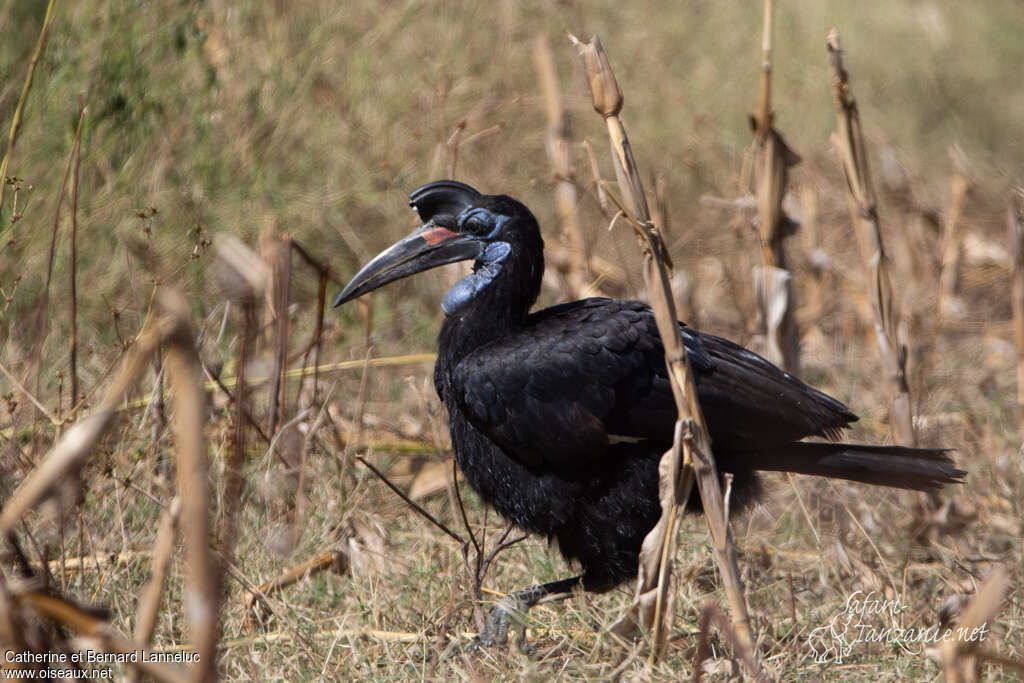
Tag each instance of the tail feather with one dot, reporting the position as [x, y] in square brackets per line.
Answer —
[920, 469]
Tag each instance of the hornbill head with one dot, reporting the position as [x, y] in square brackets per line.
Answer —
[459, 223]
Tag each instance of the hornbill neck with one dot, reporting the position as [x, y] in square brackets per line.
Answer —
[495, 299]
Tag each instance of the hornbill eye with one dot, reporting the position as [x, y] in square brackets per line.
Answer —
[480, 222]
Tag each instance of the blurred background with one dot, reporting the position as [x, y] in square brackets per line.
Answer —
[316, 118]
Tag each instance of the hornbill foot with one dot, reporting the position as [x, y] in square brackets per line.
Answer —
[511, 612]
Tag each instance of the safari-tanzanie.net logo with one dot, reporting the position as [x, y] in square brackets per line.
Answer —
[868, 618]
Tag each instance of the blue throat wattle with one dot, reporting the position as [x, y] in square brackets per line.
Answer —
[486, 268]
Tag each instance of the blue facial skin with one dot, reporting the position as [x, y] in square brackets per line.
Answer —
[482, 216]
[487, 266]
[485, 270]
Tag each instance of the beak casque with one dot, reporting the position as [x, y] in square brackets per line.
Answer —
[430, 246]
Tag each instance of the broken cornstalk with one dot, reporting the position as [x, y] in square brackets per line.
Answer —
[690, 456]
[558, 145]
[773, 282]
[848, 143]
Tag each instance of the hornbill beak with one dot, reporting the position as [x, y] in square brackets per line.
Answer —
[430, 246]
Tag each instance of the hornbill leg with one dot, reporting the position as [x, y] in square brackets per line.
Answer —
[511, 610]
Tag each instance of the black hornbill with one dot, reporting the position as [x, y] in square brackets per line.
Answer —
[558, 418]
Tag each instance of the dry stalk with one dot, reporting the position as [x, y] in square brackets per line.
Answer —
[335, 560]
[56, 421]
[1015, 225]
[73, 266]
[411, 503]
[952, 246]
[59, 203]
[300, 501]
[202, 590]
[70, 453]
[558, 143]
[236, 456]
[961, 661]
[12, 136]
[88, 626]
[281, 265]
[73, 565]
[690, 456]
[773, 282]
[242, 280]
[325, 275]
[848, 143]
[149, 603]
[712, 613]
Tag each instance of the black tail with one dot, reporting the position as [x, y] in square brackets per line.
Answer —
[921, 469]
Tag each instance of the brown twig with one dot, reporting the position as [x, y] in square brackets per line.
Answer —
[326, 274]
[12, 136]
[60, 203]
[712, 613]
[299, 519]
[332, 559]
[73, 265]
[848, 143]
[20, 387]
[411, 503]
[217, 382]
[500, 546]
[690, 455]
[233, 482]
[282, 269]
[1015, 226]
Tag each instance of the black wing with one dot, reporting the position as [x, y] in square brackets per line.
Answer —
[585, 374]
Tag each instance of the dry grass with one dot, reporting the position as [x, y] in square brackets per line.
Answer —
[313, 120]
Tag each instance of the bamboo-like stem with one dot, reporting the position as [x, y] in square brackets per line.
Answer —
[12, 136]
[773, 283]
[763, 117]
[690, 456]
[848, 143]
[1015, 225]
[559, 144]
[202, 591]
